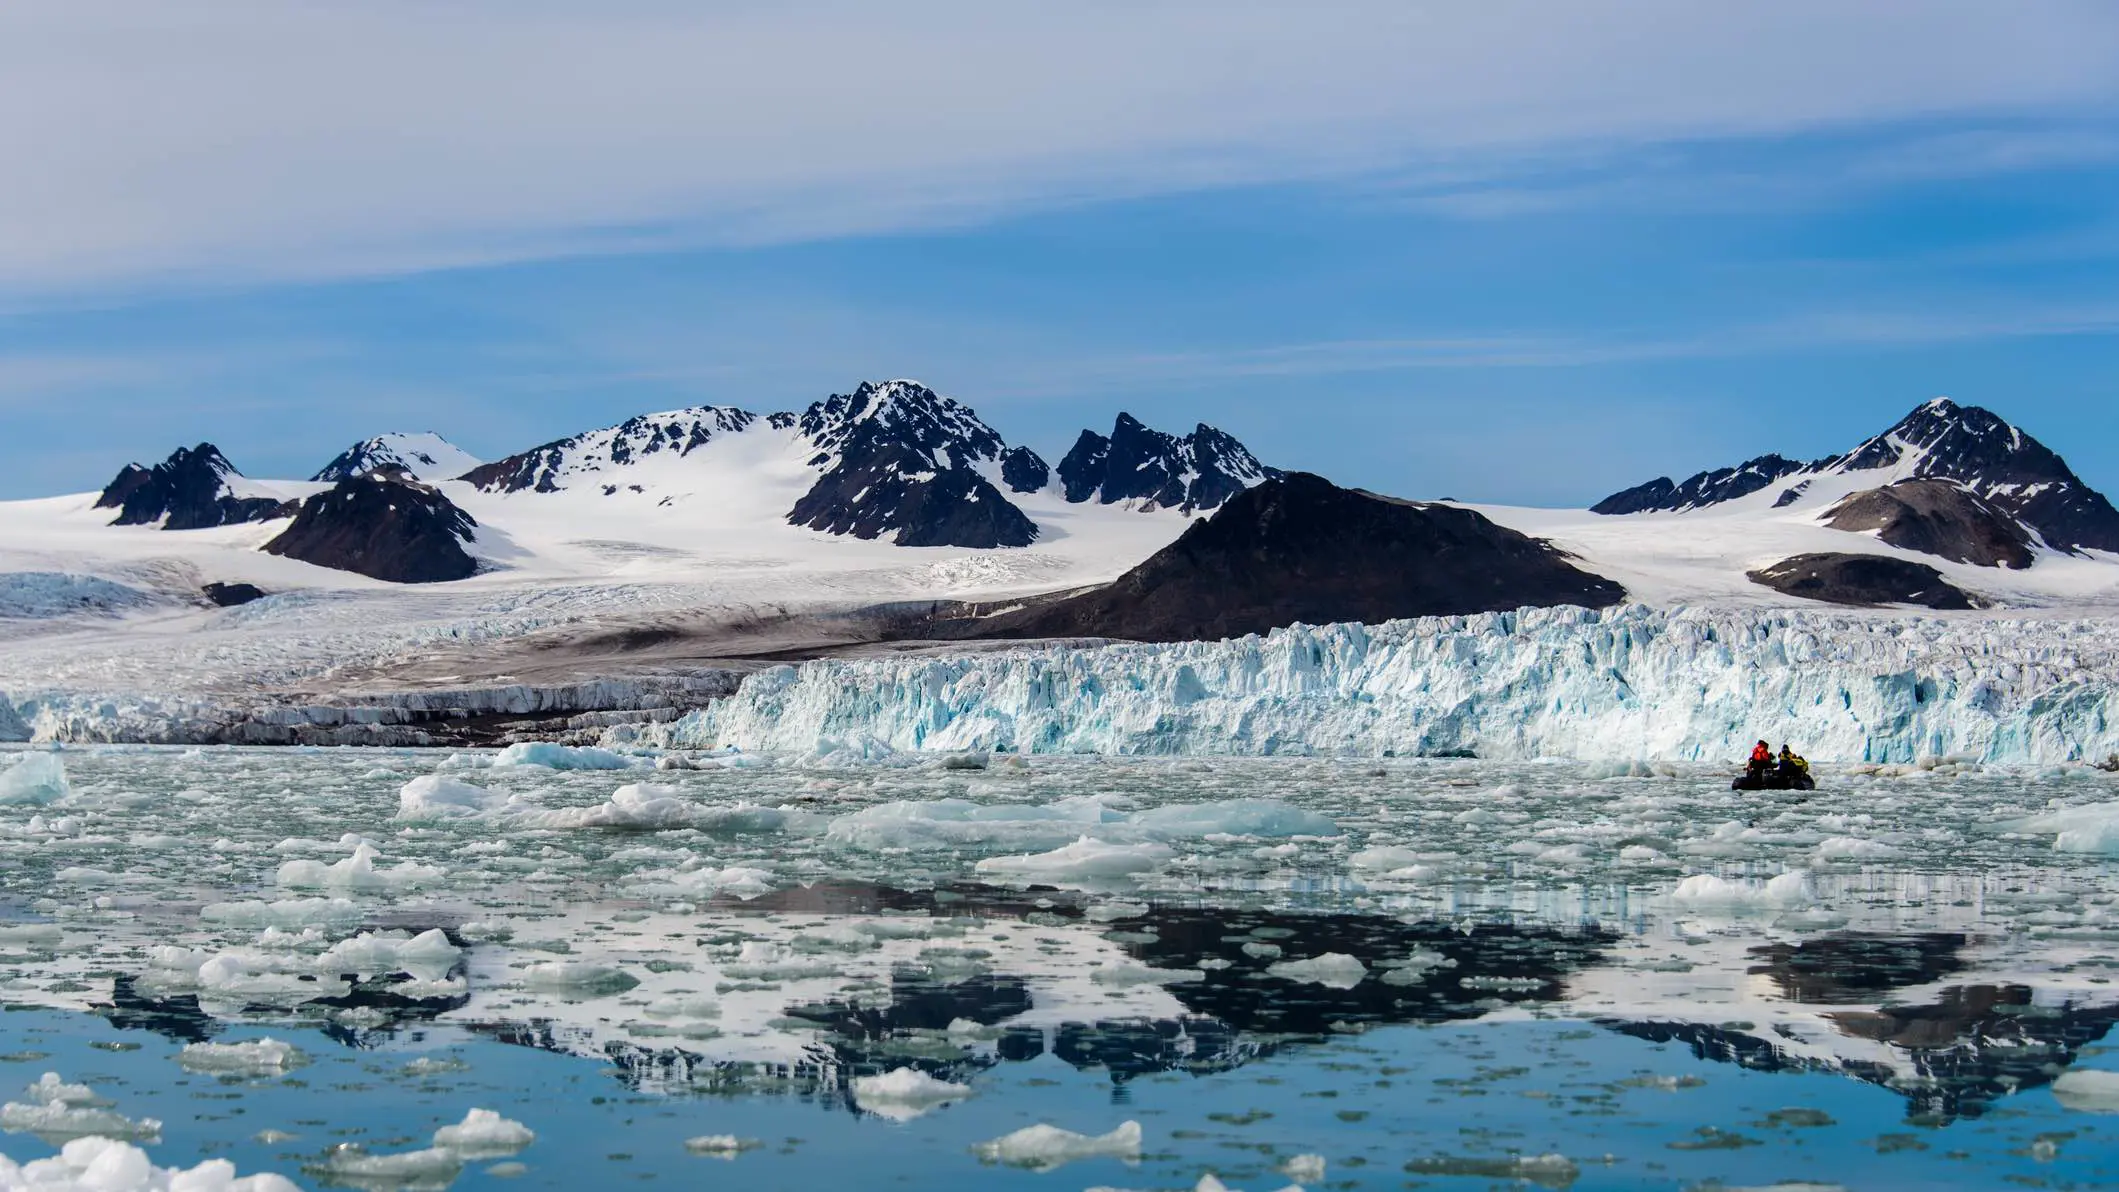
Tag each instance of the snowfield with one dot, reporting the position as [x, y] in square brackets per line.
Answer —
[1631, 682]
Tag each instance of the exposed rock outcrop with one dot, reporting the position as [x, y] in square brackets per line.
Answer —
[1298, 548]
[382, 527]
[1868, 580]
[1936, 517]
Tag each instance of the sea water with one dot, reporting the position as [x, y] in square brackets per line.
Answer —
[422, 969]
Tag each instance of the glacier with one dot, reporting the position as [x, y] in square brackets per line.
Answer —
[1633, 682]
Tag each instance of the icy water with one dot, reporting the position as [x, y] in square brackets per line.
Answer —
[786, 975]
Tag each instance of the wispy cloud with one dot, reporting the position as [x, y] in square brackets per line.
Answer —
[248, 139]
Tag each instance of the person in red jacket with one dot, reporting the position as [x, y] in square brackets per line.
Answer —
[1761, 759]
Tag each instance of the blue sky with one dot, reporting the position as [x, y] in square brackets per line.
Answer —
[1497, 254]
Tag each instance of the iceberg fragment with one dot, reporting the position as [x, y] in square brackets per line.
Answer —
[1084, 859]
[37, 780]
[1045, 1147]
[562, 757]
[902, 1094]
[109, 1165]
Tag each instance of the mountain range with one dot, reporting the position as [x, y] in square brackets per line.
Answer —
[1929, 512]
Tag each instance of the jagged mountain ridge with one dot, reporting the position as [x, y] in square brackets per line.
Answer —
[894, 459]
[191, 490]
[424, 456]
[1968, 446]
[1194, 472]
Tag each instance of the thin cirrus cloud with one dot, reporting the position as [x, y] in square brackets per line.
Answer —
[232, 140]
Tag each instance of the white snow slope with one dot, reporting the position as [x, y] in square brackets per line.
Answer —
[1631, 682]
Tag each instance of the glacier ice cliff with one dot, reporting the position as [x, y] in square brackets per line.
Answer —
[12, 727]
[1630, 682]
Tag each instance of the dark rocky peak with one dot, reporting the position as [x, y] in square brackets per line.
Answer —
[1299, 548]
[565, 462]
[906, 415]
[188, 491]
[1198, 471]
[1704, 488]
[427, 457]
[383, 527]
[898, 458]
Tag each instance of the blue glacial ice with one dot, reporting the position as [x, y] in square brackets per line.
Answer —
[1629, 683]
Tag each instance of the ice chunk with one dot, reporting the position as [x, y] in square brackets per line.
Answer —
[1234, 817]
[285, 913]
[108, 1165]
[1304, 1169]
[2088, 1090]
[2093, 828]
[484, 1134]
[1853, 848]
[357, 872]
[579, 977]
[1084, 859]
[37, 780]
[1706, 891]
[254, 1057]
[54, 1109]
[562, 757]
[638, 807]
[1383, 858]
[1044, 1147]
[350, 1163]
[437, 796]
[938, 823]
[720, 1146]
[905, 1093]
[427, 956]
[1335, 970]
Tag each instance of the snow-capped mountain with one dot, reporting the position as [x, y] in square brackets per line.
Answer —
[1162, 471]
[194, 489]
[1965, 445]
[422, 456]
[898, 457]
[597, 456]
[892, 458]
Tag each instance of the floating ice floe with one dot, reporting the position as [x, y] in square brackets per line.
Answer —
[484, 1134]
[638, 807]
[54, 1109]
[1084, 859]
[905, 1093]
[957, 823]
[36, 780]
[437, 797]
[1334, 970]
[1705, 891]
[720, 1146]
[563, 757]
[2092, 828]
[427, 956]
[1304, 1169]
[253, 1057]
[2088, 1090]
[357, 872]
[1045, 1147]
[578, 977]
[109, 1165]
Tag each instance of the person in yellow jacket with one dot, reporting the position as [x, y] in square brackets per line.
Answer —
[1792, 764]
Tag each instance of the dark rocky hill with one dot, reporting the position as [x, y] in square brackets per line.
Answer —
[383, 526]
[1299, 548]
[1866, 580]
[1936, 517]
[188, 491]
